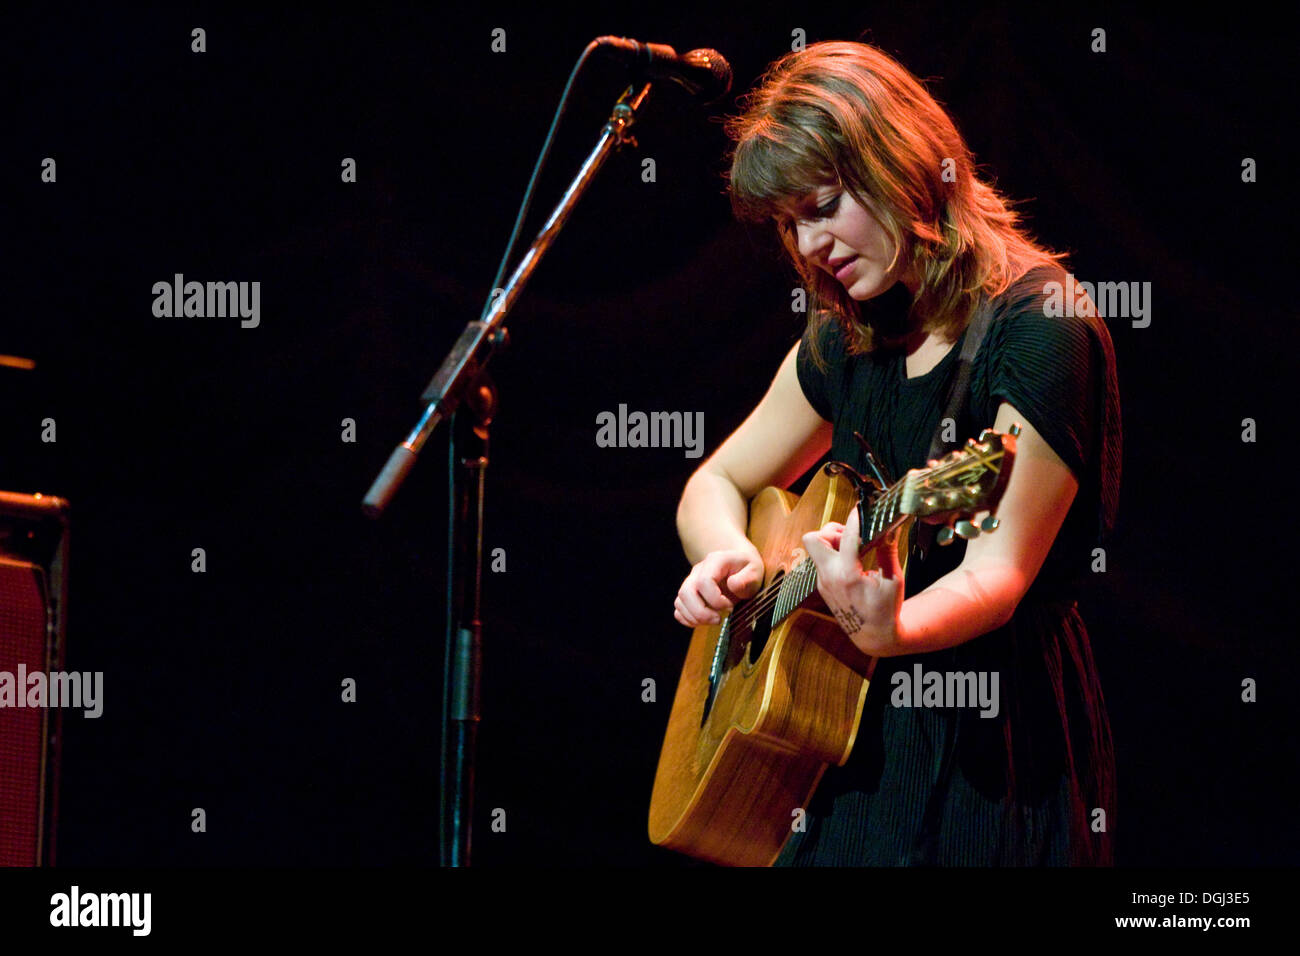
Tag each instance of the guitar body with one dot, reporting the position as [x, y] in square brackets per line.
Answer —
[744, 753]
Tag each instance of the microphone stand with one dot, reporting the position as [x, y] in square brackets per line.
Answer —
[463, 377]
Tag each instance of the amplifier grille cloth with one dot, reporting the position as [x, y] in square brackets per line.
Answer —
[22, 641]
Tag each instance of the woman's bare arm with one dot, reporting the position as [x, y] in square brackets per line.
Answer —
[980, 594]
[778, 442]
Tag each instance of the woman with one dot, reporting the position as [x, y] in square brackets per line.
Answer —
[900, 244]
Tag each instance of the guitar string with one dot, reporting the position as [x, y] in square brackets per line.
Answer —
[769, 596]
[766, 599]
[762, 602]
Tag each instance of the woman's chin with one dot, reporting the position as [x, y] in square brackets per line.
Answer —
[865, 289]
[871, 286]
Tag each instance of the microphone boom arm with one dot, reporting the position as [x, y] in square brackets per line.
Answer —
[480, 338]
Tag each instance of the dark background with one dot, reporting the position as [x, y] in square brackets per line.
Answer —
[222, 690]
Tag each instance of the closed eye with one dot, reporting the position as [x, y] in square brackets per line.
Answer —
[828, 208]
[824, 211]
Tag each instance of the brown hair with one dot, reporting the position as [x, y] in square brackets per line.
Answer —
[847, 111]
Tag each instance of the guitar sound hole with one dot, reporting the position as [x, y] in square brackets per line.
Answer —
[745, 632]
[762, 627]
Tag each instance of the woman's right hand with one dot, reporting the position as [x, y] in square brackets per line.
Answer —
[717, 583]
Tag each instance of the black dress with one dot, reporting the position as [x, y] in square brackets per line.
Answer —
[945, 786]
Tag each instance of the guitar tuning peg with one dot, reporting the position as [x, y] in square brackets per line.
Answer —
[989, 523]
[944, 536]
[1014, 430]
[966, 530]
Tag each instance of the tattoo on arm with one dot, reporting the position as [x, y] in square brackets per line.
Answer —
[850, 620]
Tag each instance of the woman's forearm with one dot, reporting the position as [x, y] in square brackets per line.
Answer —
[711, 516]
[962, 605]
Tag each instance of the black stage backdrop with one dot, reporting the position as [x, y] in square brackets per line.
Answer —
[223, 689]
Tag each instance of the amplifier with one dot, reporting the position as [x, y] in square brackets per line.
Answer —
[33, 611]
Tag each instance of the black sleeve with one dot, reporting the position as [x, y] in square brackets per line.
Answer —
[817, 384]
[1050, 368]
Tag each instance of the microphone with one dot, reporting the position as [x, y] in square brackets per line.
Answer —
[703, 73]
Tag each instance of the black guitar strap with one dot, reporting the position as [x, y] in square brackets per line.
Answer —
[957, 400]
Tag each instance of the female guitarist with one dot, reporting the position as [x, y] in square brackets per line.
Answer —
[899, 243]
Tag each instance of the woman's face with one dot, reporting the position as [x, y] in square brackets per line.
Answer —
[844, 239]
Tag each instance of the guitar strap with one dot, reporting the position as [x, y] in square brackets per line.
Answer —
[925, 849]
[957, 399]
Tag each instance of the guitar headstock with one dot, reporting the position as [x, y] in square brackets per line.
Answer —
[966, 481]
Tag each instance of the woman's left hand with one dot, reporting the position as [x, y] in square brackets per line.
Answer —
[866, 604]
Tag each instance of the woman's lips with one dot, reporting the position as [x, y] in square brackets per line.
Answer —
[842, 272]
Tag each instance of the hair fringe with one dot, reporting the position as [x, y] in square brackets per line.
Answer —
[846, 111]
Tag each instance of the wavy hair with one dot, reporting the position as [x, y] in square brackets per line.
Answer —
[847, 112]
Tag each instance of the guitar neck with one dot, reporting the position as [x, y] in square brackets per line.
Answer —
[801, 581]
[967, 480]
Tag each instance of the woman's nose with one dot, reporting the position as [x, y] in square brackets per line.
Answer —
[812, 238]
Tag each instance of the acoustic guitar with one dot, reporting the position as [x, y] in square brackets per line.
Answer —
[773, 694]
